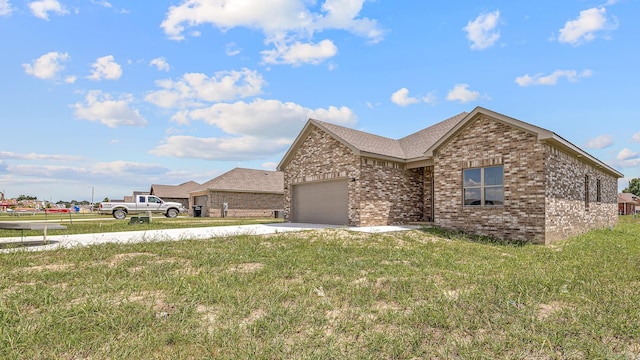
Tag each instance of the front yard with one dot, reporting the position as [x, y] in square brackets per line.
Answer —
[328, 294]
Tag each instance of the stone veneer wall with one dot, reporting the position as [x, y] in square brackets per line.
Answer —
[244, 204]
[486, 142]
[320, 157]
[567, 213]
[388, 194]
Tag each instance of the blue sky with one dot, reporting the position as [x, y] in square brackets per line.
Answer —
[113, 96]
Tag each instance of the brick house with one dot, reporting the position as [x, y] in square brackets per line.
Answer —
[628, 204]
[480, 172]
[246, 193]
[175, 193]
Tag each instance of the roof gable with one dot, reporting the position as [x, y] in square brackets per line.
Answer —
[247, 180]
[417, 143]
[424, 143]
[543, 135]
[367, 144]
[174, 191]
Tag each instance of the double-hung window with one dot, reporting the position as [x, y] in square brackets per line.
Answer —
[483, 186]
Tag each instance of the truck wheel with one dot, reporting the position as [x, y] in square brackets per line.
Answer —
[172, 213]
[119, 214]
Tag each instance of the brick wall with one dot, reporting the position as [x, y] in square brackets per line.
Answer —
[428, 194]
[320, 157]
[383, 192]
[567, 210]
[544, 188]
[243, 204]
[485, 142]
[389, 194]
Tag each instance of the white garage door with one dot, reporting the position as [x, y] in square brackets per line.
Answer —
[321, 203]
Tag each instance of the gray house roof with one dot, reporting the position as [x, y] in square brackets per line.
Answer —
[423, 144]
[408, 147]
[246, 180]
[174, 191]
[628, 198]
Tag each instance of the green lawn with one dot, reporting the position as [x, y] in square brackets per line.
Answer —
[330, 294]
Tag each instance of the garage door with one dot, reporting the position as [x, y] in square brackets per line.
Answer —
[321, 203]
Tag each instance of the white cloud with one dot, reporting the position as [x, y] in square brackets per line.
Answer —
[461, 93]
[628, 154]
[256, 130]
[402, 98]
[552, 79]
[160, 63]
[70, 79]
[5, 7]
[37, 157]
[102, 3]
[104, 109]
[41, 9]
[636, 137]
[127, 167]
[268, 118]
[482, 31]
[631, 163]
[106, 68]
[583, 29]
[195, 87]
[231, 149]
[600, 142]
[232, 49]
[181, 117]
[300, 53]
[289, 24]
[47, 65]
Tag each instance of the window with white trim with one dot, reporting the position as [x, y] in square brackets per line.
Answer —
[483, 186]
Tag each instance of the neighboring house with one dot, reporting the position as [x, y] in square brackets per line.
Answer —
[628, 204]
[241, 193]
[175, 193]
[131, 198]
[480, 172]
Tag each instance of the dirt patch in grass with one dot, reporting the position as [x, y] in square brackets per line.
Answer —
[50, 267]
[247, 267]
[255, 315]
[209, 316]
[117, 259]
[547, 310]
[156, 300]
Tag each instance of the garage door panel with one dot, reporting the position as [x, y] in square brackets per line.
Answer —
[321, 203]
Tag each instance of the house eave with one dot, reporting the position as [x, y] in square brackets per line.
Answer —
[303, 134]
[559, 142]
[380, 157]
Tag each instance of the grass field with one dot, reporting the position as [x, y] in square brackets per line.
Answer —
[330, 294]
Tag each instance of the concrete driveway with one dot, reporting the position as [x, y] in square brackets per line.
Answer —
[67, 241]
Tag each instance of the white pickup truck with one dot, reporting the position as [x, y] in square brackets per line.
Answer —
[143, 203]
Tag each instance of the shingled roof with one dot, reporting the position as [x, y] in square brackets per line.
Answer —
[247, 180]
[628, 198]
[174, 191]
[407, 148]
[422, 144]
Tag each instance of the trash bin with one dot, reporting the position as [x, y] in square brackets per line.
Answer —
[197, 211]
